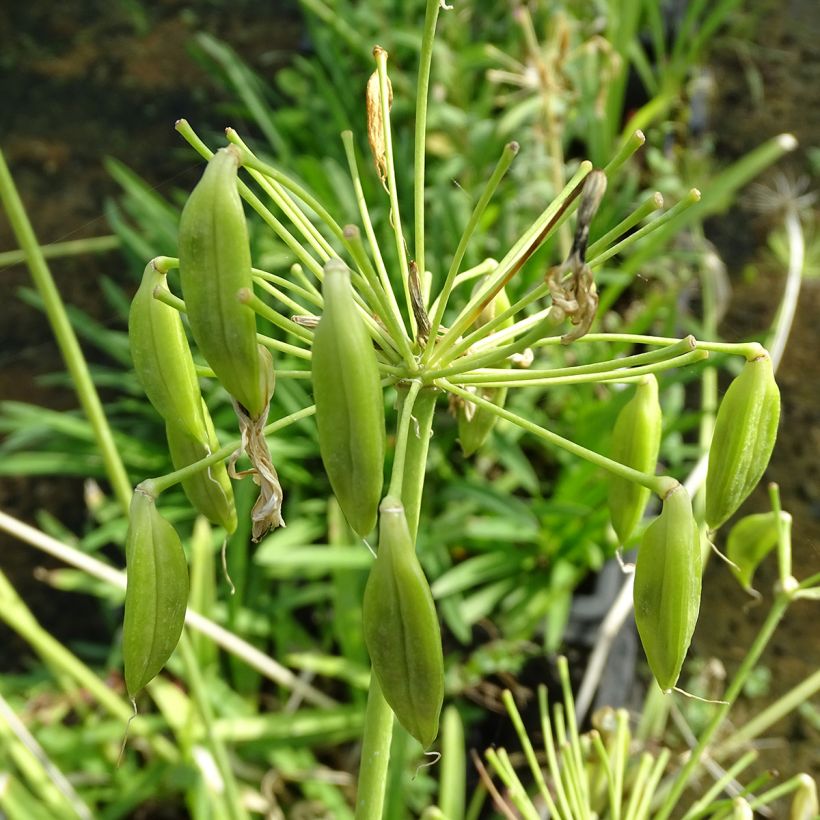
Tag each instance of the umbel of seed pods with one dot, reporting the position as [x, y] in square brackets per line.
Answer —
[400, 624]
[669, 562]
[215, 270]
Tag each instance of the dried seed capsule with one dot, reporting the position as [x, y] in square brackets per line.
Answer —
[162, 358]
[750, 541]
[636, 440]
[215, 265]
[667, 587]
[401, 628]
[745, 432]
[156, 594]
[476, 423]
[349, 402]
[209, 490]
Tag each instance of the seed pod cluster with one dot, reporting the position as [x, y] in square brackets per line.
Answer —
[476, 423]
[745, 432]
[636, 440]
[156, 594]
[215, 266]
[667, 587]
[401, 628]
[165, 368]
[349, 402]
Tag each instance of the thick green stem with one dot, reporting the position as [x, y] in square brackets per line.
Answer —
[66, 338]
[416, 406]
[420, 142]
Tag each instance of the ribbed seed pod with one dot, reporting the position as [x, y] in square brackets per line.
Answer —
[162, 357]
[750, 540]
[401, 628]
[215, 265]
[667, 587]
[349, 402]
[156, 594]
[475, 423]
[209, 490]
[745, 432]
[636, 440]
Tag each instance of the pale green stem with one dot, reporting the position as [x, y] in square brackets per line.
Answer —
[526, 245]
[66, 338]
[548, 92]
[312, 296]
[315, 267]
[15, 613]
[471, 363]
[660, 485]
[230, 642]
[402, 439]
[549, 748]
[501, 168]
[155, 486]
[481, 335]
[347, 139]
[168, 298]
[648, 206]
[687, 202]
[411, 457]
[199, 694]
[788, 304]
[784, 539]
[748, 349]
[500, 380]
[284, 183]
[58, 250]
[628, 147]
[751, 729]
[778, 610]
[397, 337]
[781, 790]
[378, 733]
[731, 774]
[276, 318]
[529, 753]
[46, 779]
[395, 215]
[420, 141]
[281, 296]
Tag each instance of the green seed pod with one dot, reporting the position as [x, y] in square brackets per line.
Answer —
[156, 594]
[667, 587]
[215, 265]
[745, 431]
[162, 358]
[401, 628]
[209, 490]
[349, 402]
[475, 423]
[636, 440]
[750, 541]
